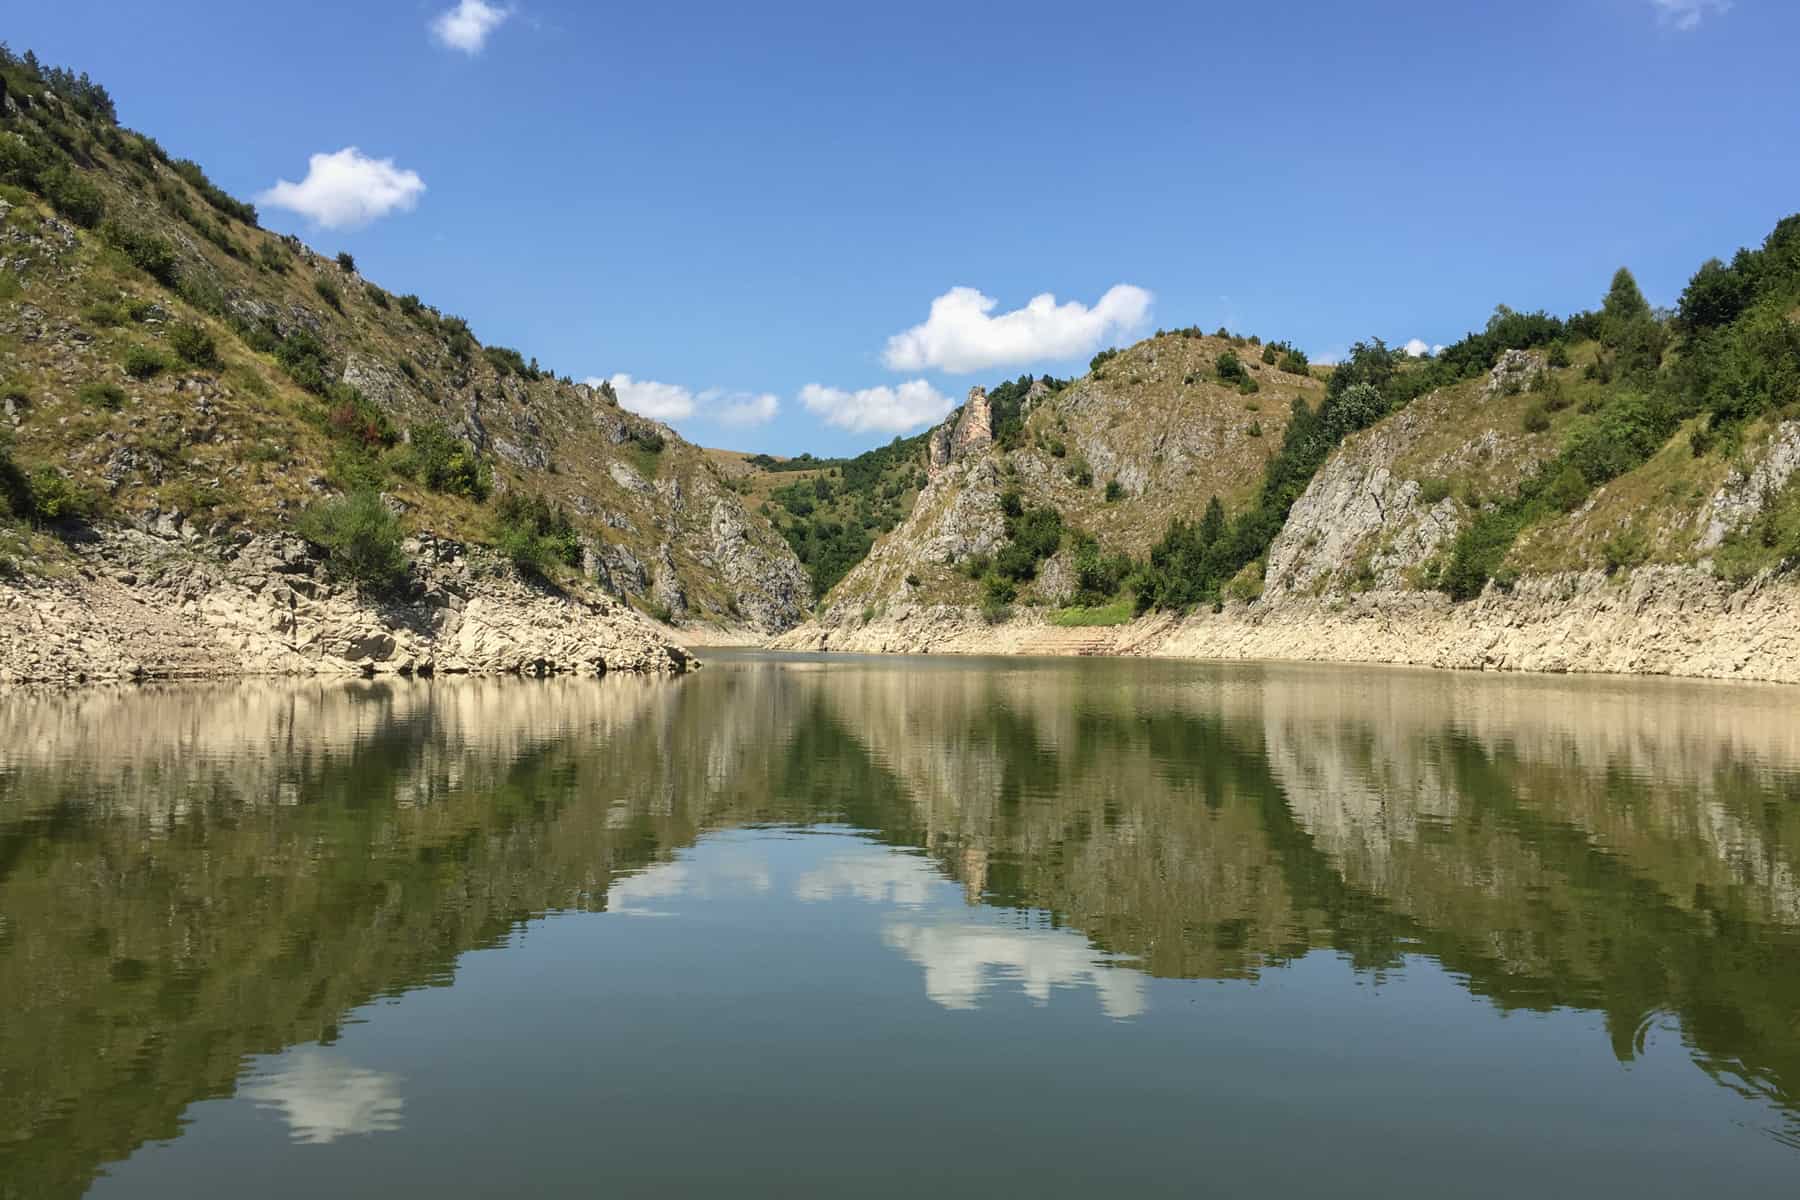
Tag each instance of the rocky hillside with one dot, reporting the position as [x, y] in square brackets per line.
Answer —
[1153, 433]
[169, 366]
[1616, 490]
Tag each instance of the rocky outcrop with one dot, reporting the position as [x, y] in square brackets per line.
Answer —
[975, 429]
[1653, 621]
[970, 432]
[142, 606]
[1745, 493]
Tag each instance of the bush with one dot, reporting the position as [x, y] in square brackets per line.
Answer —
[144, 362]
[534, 534]
[54, 497]
[103, 314]
[1431, 491]
[302, 356]
[1101, 359]
[328, 292]
[1536, 419]
[1295, 362]
[270, 258]
[446, 463]
[346, 263]
[1625, 549]
[355, 418]
[73, 196]
[360, 536]
[148, 252]
[1114, 491]
[1270, 355]
[376, 296]
[102, 395]
[1558, 355]
[1229, 368]
[193, 344]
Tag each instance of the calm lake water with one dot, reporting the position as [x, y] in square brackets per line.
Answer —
[799, 926]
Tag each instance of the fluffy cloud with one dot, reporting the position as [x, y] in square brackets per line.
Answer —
[466, 27]
[962, 333]
[1419, 348]
[1687, 14]
[743, 409]
[877, 409]
[648, 398]
[347, 190]
[672, 402]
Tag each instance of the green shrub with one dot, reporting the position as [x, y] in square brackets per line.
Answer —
[103, 314]
[376, 296]
[145, 362]
[1255, 430]
[1625, 549]
[1558, 355]
[270, 257]
[303, 357]
[73, 196]
[1431, 491]
[102, 395]
[535, 534]
[328, 292]
[1101, 359]
[193, 344]
[1081, 474]
[354, 418]
[55, 497]
[360, 536]
[15, 488]
[1294, 362]
[446, 463]
[346, 262]
[1270, 355]
[1229, 368]
[1114, 491]
[1536, 419]
[149, 253]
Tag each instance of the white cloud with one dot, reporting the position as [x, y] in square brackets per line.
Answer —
[466, 27]
[959, 961]
[877, 409]
[673, 402]
[648, 398]
[347, 190]
[1687, 14]
[962, 334]
[743, 408]
[324, 1098]
[882, 877]
[1419, 348]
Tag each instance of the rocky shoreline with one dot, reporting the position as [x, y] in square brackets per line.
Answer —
[166, 603]
[1677, 621]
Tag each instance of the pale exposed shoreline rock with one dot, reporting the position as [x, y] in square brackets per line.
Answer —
[1653, 621]
[136, 606]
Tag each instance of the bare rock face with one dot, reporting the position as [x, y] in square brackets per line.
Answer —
[975, 430]
[972, 432]
[770, 590]
[1514, 372]
[1743, 495]
[149, 608]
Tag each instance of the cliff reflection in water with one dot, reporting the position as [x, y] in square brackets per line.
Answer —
[193, 875]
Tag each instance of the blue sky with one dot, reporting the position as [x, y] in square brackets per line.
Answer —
[745, 209]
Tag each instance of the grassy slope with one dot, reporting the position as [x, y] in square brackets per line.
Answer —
[242, 443]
